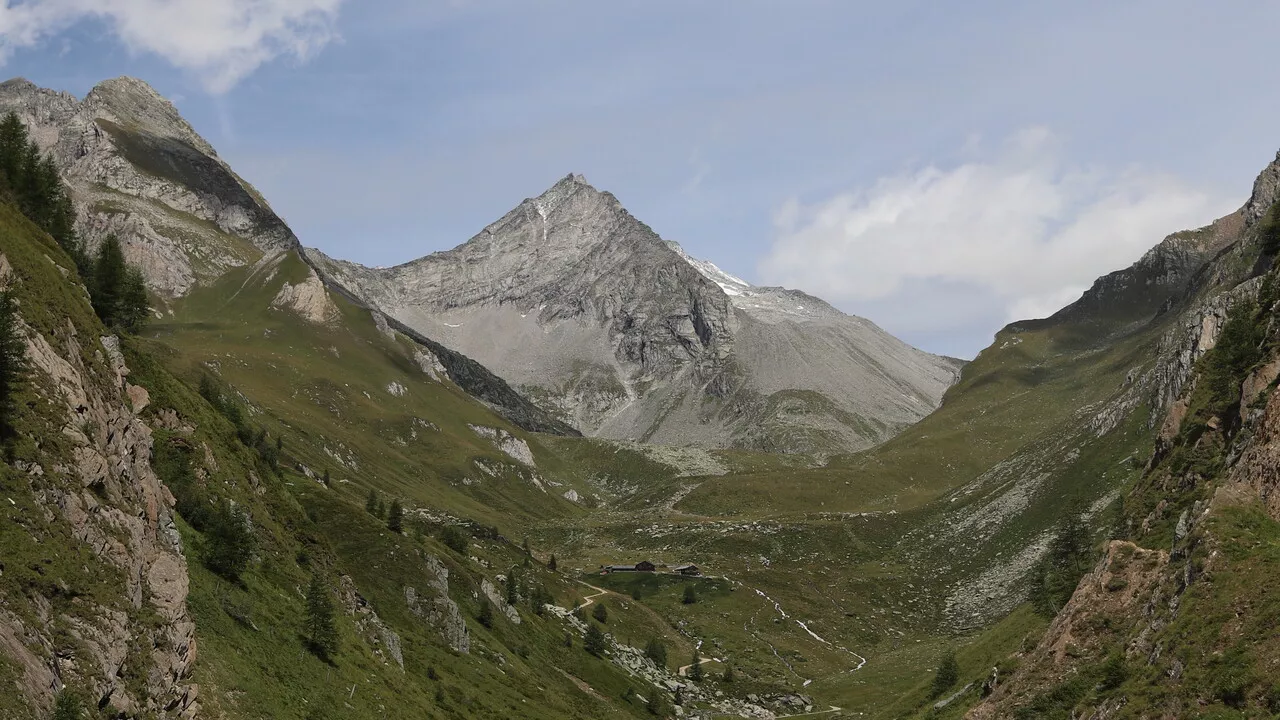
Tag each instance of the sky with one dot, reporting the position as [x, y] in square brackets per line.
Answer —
[940, 168]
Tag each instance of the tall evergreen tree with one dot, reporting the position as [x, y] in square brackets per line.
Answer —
[13, 362]
[13, 143]
[134, 304]
[594, 641]
[322, 634]
[695, 666]
[551, 564]
[395, 517]
[513, 587]
[947, 675]
[229, 541]
[656, 651]
[371, 503]
[109, 270]
[1055, 577]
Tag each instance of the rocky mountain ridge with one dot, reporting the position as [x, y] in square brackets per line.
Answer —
[582, 306]
[138, 170]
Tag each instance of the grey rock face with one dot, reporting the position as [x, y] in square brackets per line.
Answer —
[441, 612]
[115, 504]
[585, 309]
[139, 171]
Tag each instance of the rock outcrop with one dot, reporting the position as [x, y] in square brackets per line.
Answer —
[102, 487]
[574, 301]
[439, 611]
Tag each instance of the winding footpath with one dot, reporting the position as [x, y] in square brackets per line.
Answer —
[803, 626]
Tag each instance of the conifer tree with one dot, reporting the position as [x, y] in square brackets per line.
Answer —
[594, 641]
[229, 542]
[13, 362]
[486, 613]
[13, 143]
[657, 704]
[601, 613]
[656, 651]
[371, 502]
[116, 290]
[453, 539]
[695, 666]
[947, 675]
[322, 634]
[395, 517]
[513, 587]
[551, 564]
[690, 596]
[326, 477]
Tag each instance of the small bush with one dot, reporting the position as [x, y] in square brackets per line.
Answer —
[1113, 672]
[66, 706]
[1231, 677]
[947, 675]
[601, 613]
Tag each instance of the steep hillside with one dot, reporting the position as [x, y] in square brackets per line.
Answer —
[1177, 617]
[169, 503]
[580, 305]
[137, 170]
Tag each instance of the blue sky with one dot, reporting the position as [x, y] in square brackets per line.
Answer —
[941, 168]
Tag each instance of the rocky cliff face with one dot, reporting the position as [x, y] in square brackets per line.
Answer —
[139, 171]
[118, 630]
[584, 307]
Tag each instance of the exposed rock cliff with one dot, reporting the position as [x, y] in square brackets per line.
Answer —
[125, 636]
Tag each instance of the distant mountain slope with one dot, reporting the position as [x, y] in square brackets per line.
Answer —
[584, 307]
[138, 170]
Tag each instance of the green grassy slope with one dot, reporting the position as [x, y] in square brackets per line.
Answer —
[252, 661]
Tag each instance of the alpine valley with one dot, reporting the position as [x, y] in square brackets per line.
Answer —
[305, 488]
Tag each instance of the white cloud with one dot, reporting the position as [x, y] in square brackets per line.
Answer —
[1021, 227]
[220, 41]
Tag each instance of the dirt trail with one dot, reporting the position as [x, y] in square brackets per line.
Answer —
[592, 598]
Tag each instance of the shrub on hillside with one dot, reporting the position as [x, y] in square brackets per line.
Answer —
[453, 539]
